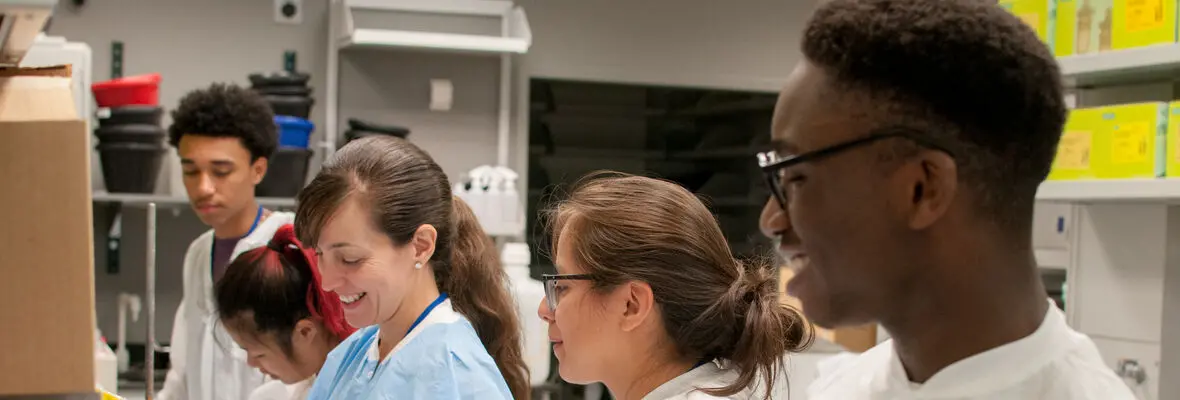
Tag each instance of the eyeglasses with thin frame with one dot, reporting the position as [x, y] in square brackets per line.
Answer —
[774, 165]
[553, 292]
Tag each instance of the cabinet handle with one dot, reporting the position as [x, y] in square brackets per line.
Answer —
[1060, 224]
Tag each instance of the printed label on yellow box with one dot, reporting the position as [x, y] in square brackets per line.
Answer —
[1128, 143]
[1144, 15]
[1073, 152]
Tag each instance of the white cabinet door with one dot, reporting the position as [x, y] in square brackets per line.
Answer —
[1117, 284]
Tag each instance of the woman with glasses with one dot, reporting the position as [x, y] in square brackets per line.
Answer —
[650, 301]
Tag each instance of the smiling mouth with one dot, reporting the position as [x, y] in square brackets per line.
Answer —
[352, 298]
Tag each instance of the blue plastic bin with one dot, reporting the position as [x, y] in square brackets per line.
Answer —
[294, 131]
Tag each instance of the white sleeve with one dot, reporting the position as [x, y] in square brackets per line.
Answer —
[174, 384]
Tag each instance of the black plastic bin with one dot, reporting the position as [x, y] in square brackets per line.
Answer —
[147, 134]
[286, 173]
[281, 78]
[303, 91]
[132, 115]
[359, 129]
[294, 106]
[131, 167]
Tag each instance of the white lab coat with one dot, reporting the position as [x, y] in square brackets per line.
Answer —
[277, 390]
[711, 375]
[1054, 363]
[206, 363]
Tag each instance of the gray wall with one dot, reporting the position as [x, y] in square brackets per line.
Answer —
[699, 43]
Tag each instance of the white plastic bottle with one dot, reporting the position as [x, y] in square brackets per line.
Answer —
[528, 293]
[512, 213]
[106, 365]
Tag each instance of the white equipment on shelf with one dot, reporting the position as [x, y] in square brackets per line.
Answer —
[56, 50]
[491, 193]
[528, 293]
[20, 23]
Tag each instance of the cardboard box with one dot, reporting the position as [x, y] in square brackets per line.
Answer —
[48, 329]
[1172, 141]
[856, 338]
[1130, 143]
[1075, 151]
[1139, 23]
[1038, 14]
[1083, 26]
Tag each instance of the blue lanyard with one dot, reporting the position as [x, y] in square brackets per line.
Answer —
[426, 312]
[213, 247]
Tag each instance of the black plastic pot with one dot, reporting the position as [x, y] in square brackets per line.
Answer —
[132, 115]
[147, 134]
[366, 126]
[131, 167]
[282, 78]
[360, 129]
[284, 90]
[294, 106]
[286, 173]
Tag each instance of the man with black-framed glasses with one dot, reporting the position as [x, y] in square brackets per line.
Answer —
[908, 146]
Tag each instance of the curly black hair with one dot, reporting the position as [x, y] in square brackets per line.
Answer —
[966, 72]
[226, 110]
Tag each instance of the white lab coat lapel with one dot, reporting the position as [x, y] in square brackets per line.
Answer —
[220, 360]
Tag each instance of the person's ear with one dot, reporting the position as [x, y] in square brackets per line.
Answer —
[639, 303]
[258, 169]
[423, 241]
[305, 331]
[928, 188]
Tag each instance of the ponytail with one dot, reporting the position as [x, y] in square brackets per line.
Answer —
[762, 330]
[478, 286]
[278, 285]
[322, 305]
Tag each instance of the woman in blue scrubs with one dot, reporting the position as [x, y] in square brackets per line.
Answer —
[411, 265]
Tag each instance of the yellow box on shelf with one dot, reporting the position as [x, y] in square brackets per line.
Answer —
[1139, 23]
[1038, 14]
[1131, 141]
[1075, 151]
[1083, 26]
[1172, 141]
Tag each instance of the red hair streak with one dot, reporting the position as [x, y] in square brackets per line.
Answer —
[323, 305]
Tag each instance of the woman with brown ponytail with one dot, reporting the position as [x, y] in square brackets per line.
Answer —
[650, 301]
[271, 304]
[414, 269]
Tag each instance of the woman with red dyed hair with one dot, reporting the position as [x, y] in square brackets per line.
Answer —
[271, 304]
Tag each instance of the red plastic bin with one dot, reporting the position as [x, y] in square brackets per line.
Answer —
[142, 90]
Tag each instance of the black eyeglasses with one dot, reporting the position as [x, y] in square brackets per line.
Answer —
[773, 164]
[552, 294]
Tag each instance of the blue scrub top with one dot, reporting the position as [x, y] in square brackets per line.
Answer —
[441, 358]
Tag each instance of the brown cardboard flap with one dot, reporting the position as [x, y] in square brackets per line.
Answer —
[60, 71]
[36, 94]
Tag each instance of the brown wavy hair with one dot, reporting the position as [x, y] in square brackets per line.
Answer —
[628, 228]
[406, 189]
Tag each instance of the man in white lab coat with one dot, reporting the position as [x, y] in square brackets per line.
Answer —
[223, 135]
[907, 149]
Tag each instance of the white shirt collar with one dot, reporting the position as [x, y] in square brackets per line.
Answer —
[1002, 366]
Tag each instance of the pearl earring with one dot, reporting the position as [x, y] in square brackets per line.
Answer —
[418, 265]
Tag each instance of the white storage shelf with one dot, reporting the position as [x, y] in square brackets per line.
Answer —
[1165, 191]
[165, 201]
[514, 38]
[1151, 63]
